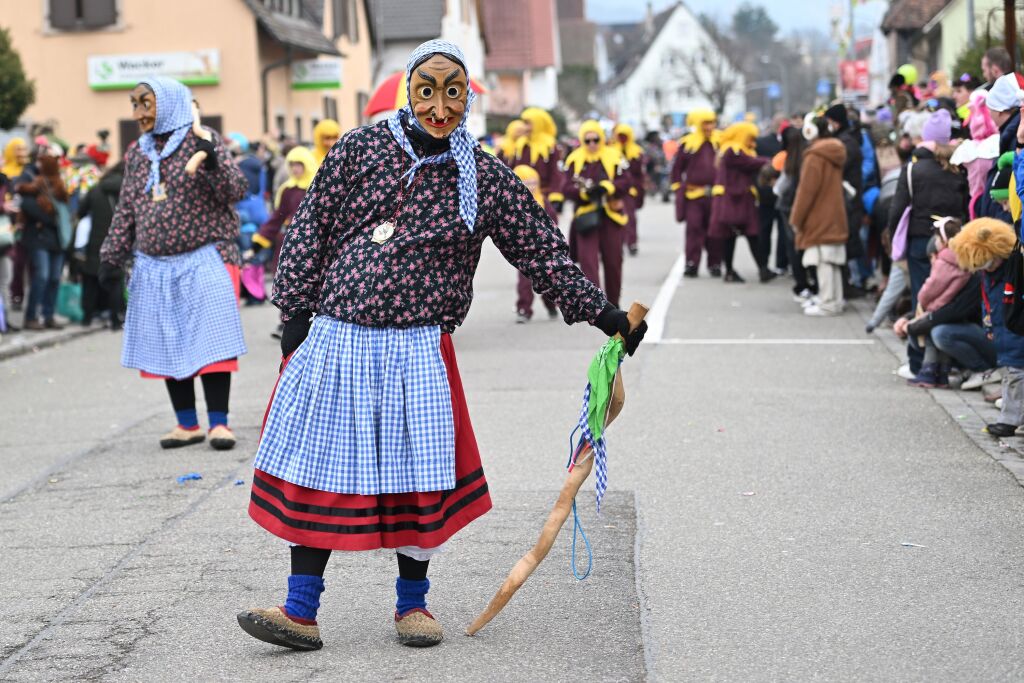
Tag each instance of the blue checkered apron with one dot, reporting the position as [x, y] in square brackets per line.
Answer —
[362, 410]
[182, 314]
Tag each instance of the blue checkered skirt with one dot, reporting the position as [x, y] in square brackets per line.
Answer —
[182, 314]
[362, 410]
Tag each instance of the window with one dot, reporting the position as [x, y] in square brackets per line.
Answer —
[330, 108]
[298, 129]
[290, 7]
[346, 19]
[279, 123]
[82, 15]
[362, 100]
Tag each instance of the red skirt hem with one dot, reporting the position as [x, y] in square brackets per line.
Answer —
[349, 521]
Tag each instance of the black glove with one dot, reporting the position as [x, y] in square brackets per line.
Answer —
[596, 192]
[613, 321]
[109, 275]
[207, 146]
[295, 332]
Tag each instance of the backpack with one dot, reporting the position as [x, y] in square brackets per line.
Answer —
[1013, 291]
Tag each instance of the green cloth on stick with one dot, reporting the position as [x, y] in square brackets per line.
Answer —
[601, 375]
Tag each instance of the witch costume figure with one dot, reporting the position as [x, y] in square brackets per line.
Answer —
[180, 229]
[367, 442]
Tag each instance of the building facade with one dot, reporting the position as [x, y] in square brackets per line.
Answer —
[258, 67]
[524, 55]
[649, 72]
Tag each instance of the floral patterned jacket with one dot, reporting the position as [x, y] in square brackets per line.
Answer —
[423, 273]
[199, 209]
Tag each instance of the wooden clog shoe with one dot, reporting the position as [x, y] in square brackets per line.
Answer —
[276, 627]
[222, 438]
[418, 628]
[179, 436]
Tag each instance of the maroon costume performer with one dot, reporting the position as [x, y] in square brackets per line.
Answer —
[596, 182]
[536, 148]
[693, 179]
[734, 207]
[636, 162]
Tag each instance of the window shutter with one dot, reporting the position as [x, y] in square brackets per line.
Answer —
[63, 14]
[353, 28]
[99, 13]
[339, 12]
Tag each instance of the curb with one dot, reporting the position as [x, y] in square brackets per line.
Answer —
[965, 408]
[19, 347]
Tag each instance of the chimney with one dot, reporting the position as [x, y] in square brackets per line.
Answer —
[649, 21]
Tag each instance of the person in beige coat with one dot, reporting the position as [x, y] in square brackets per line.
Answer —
[819, 220]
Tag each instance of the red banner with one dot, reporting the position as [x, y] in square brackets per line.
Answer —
[853, 76]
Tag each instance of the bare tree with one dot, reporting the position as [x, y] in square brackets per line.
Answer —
[710, 72]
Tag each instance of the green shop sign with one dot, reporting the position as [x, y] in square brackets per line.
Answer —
[123, 72]
[316, 74]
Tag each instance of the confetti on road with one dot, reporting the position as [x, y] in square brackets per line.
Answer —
[239, 482]
[905, 544]
[748, 493]
[191, 476]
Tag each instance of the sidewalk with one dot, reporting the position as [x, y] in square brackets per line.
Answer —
[966, 408]
[21, 342]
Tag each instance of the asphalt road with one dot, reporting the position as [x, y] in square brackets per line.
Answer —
[762, 496]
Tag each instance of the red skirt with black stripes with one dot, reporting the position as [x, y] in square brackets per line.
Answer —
[346, 521]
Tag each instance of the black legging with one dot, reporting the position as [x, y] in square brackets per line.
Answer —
[216, 388]
[313, 561]
[730, 251]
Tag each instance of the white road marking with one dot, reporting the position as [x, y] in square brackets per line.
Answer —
[765, 342]
[659, 310]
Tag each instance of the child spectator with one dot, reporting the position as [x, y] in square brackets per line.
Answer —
[984, 245]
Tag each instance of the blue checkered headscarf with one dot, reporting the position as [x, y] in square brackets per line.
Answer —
[461, 141]
[173, 115]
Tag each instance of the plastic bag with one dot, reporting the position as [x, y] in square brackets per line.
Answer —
[69, 301]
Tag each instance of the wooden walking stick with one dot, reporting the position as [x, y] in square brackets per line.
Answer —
[556, 519]
[199, 157]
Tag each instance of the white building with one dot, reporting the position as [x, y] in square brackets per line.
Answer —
[400, 26]
[660, 69]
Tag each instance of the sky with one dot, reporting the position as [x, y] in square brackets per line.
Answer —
[788, 14]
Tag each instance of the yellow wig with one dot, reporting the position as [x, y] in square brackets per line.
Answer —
[981, 241]
[298, 155]
[629, 148]
[326, 127]
[526, 173]
[607, 155]
[510, 142]
[11, 168]
[693, 140]
[542, 134]
[739, 137]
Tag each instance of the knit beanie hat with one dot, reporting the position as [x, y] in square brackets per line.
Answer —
[938, 127]
[837, 113]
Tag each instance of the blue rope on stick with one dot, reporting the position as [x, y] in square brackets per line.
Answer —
[577, 526]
